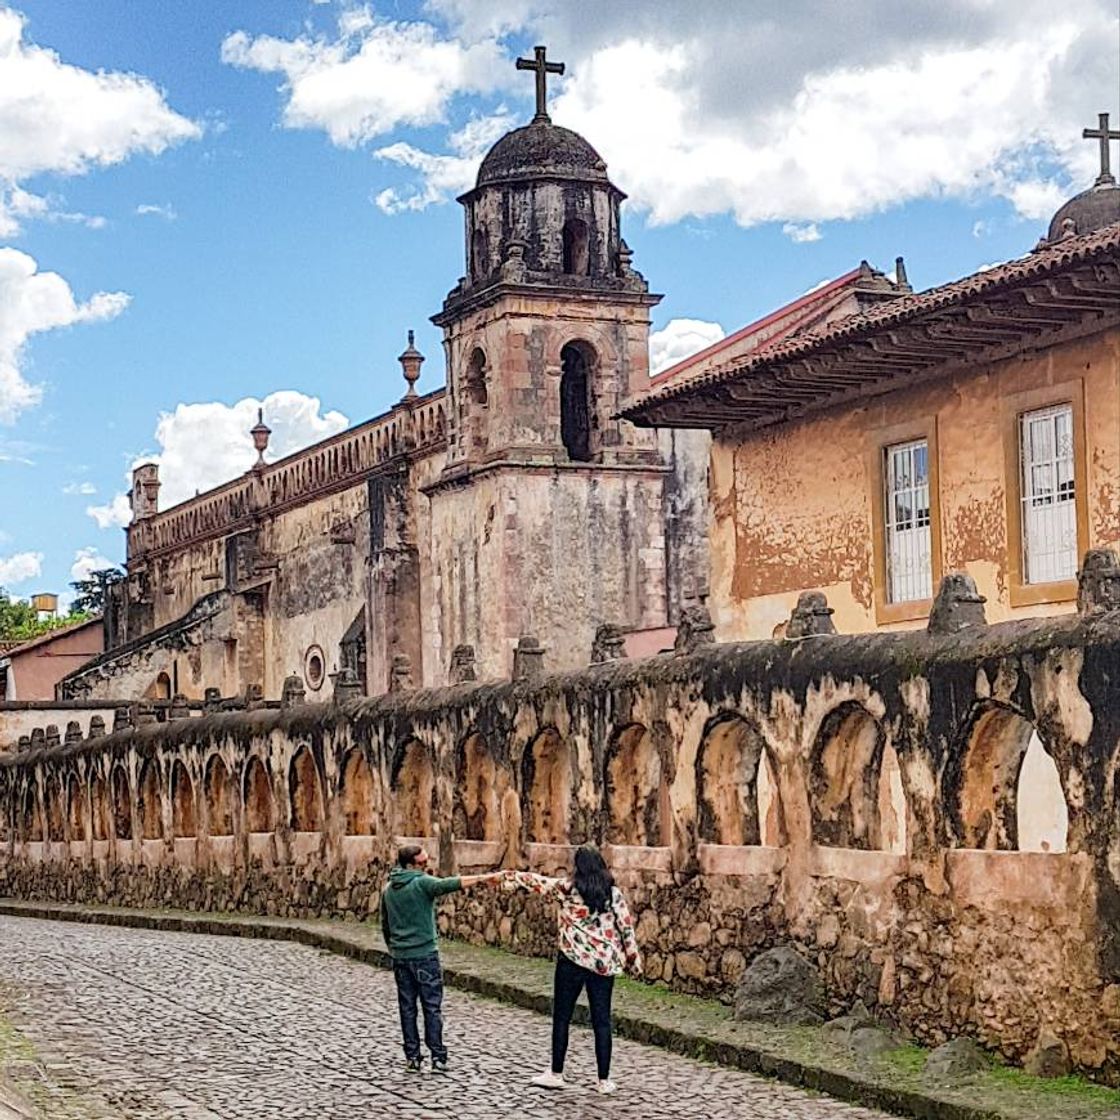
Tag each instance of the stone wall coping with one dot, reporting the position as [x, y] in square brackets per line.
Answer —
[638, 857]
[745, 859]
[1001, 880]
[858, 864]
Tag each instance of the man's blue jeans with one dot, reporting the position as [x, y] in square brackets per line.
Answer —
[421, 979]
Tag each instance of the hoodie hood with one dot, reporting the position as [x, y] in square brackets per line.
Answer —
[402, 876]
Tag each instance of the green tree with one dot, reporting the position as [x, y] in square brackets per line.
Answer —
[91, 594]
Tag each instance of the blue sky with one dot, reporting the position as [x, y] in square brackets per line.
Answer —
[238, 199]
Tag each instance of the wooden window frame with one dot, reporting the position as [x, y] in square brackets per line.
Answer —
[921, 428]
[1013, 407]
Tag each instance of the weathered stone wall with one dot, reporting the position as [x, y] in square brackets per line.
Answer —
[793, 504]
[859, 796]
[21, 717]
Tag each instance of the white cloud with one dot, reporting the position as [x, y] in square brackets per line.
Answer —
[59, 118]
[32, 302]
[981, 229]
[115, 514]
[372, 77]
[205, 444]
[832, 112]
[153, 209]
[800, 234]
[86, 562]
[85, 488]
[680, 339]
[20, 567]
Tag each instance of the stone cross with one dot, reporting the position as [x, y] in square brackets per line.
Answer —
[1102, 133]
[543, 69]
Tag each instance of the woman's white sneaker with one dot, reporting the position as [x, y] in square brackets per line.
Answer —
[607, 1086]
[549, 1080]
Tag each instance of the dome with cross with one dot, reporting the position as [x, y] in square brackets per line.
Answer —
[1097, 207]
[541, 150]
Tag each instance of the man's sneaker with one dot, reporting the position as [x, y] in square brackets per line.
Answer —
[439, 1065]
[414, 1065]
[607, 1086]
[548, 1080]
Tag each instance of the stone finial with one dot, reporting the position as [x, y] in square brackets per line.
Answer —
[528, 658]
[179, 709]
[463, 667]
[73, 732]
[293, 693]
[958, 605]
[400, 673]
[52, 737]
[1098, 582]
[347, 686]
[254, 697]
[38, 739]
[411, 360]
[24, 743]
[811, 616]
[514, 268]
[211, 699]
[122, 718]
[96, 727]
[260, 432]
[694, 631]
[608, 644]
[146, 715]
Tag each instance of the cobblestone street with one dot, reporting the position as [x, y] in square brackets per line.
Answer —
[164, 1025]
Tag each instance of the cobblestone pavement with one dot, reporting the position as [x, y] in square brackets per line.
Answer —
[166, 1025]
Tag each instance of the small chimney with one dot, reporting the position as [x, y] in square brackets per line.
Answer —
[411, 361]
[900, 277]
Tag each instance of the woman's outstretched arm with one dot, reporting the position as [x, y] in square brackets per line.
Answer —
[530, 881]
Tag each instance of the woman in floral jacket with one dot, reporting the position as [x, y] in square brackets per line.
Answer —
[596, 943]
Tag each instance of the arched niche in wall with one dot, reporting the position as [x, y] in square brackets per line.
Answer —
[576, 247]
[122, 803]
[845, 791]
[577, 364]
[183, 818]
[414, 787]
[31, 821]
[5, 810]
[987, 783]
[99, 807]
[359, 795]
[1041, 811]
[635, 790]
[478, 808]
[476, 402]
[546, 783]
[76, 808]
[56, 817]
[480, 254]
[737, 791]
[218, 791]
[305, 792]
[260, 806]
[151, 803]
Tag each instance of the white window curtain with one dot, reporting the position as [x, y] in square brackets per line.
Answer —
[907, 522]
[1048, 490]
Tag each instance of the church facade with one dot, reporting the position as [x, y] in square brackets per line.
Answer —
[511, 508]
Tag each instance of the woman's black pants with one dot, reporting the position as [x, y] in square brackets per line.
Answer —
[569, 982]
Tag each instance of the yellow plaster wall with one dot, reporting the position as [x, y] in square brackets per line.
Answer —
[792, 505]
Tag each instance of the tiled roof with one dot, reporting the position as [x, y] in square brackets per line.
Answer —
[1051, 261]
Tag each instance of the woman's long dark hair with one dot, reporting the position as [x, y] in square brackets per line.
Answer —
[592, 879]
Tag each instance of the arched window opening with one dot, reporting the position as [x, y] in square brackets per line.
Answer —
[477, 402]
[305, 793]
[182, 802]
[359, 799]
[737, 788]
[844, 787]
[122, 804]
[480, 254]
[577, 255]
[219, 803]
[414, 788]
[575, 402]
[547, 784]
[161, 690]
[151, 804]
[988, 782]
[637, 795]
[1041, 812]
[56, 827]
[260, 809]
[478, 808]
[76, 808]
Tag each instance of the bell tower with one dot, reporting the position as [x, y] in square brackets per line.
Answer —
[547, 517]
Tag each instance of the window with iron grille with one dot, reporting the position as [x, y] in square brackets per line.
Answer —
[1049, 510]
[907, 522]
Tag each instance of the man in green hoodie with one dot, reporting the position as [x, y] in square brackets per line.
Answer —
[408, 924]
